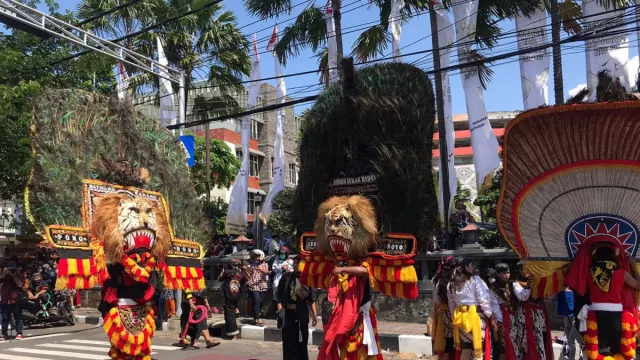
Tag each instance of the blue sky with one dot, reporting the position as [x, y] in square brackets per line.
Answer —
[503, 93]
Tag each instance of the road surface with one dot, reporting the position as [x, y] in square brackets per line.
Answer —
[90, 343]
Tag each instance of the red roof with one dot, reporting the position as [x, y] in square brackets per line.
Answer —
[466, 134]
[459, 151]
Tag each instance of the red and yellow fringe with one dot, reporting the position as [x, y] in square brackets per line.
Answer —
[184, 278]
[78, 274]
[137, 272]
[627, 341]
[396, 278]
[123, 340]
[548, 286]
[353, 348]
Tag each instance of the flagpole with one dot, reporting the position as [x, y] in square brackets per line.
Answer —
[182, 106]
[444, 166]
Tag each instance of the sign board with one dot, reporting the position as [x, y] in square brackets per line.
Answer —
[188, 143]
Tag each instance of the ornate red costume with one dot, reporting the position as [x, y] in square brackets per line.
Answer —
[125, 244]
[337, 258]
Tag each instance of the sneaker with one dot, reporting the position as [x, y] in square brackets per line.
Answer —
[19, 337]
[3, 338]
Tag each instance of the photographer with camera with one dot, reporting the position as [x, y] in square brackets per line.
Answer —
[12, 282]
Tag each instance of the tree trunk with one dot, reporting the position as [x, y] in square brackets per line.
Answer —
[337, 20]
[558, 86]
[207, 161]
[444, 166]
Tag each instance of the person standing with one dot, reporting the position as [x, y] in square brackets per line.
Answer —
[295, 299]
[190, 309]
[12, 283]
[471, 310]
[459, 220]
[565, 310]
[232, 282]
[258, 284]
[169, 303]
[281, 265]
[501, 305]
[443, 327]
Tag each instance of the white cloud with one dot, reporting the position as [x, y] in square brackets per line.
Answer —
[577, 89]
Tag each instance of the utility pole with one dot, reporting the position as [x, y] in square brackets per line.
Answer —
[444, 155]
[558, 86]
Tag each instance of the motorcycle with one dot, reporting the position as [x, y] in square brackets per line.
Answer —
[51, 307]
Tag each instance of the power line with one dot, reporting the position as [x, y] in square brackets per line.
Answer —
[107, 12]
[141, 31]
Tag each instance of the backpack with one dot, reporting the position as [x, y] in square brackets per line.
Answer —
[302, 292]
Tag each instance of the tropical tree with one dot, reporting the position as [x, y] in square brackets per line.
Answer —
[216, 153]
[207, 40]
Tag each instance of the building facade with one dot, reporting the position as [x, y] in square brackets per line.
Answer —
[261, 145]
[463, 152]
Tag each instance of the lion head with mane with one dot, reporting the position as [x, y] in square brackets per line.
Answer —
[129, 225]
[346, 225]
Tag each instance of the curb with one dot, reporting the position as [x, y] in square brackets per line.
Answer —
[408, 344]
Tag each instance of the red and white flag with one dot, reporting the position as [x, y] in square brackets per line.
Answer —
[274, 39]
[122, 80]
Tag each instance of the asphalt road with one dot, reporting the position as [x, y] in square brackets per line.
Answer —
[90, 343]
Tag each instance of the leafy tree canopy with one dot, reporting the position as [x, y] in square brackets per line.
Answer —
[224, 165]
[282, 222]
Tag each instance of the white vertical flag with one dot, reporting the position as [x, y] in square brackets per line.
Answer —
[395, 22]
[122, 81]
[168, 115]
[278, 159]
[236, 222]
[534, 67]
[609, 53]
[485, 145]
[332, 45]
[446, 38]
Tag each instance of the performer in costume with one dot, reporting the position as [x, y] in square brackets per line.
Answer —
[500, 297]
[557, 211]
[471, 310]
[611, 329]
[126, 239]
[442, 326]
[338, 258]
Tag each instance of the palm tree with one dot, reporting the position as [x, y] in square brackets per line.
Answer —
[207, 40]
[218, 105]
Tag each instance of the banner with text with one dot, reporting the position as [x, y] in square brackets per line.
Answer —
[610, 53]
[534, 67]
[484, 143]
[236, 222]
[168, 115]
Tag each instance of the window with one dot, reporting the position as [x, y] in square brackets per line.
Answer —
[253, 166]
[297, 122]
[271, 172]
[293, 176]
[252, 205]
[254, 129]
[253, 163]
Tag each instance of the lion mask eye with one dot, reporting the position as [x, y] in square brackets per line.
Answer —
[135, 210]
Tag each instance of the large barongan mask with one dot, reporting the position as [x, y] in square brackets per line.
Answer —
[127, 225]
[346, 225]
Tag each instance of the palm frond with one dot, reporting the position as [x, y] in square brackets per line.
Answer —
[570, 13]
[484, 70]
[579, 98]
[323, 65]
[308, 31]
[265, 9]
[370, 43]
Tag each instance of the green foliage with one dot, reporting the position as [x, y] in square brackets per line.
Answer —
[224, 165]
[75, 130]
[282, 222]
[391, 136]
[488, 204]
[216, 213]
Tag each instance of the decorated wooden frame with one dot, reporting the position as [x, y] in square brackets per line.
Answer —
[82, 262]
[390, 264]
[571, 173]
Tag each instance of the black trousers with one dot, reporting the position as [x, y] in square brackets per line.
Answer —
[609, 331]
[292, 347]
[230, 324]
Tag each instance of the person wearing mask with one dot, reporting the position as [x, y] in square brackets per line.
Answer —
[35, 294]
[470, 308]
[232, 281]
[258, 275]
[190, 309]
[294, 300]
[281, 265]
[12, 282]
[443, 328]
